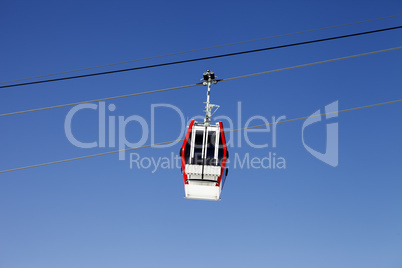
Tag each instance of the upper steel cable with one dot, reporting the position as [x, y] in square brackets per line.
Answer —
[206, 48]
[203, 58]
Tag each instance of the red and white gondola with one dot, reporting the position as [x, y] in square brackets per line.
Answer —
[204, 155]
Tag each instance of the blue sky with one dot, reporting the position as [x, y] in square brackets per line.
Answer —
[100, 213]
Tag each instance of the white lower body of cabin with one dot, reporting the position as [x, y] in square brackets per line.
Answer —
[202, 182]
